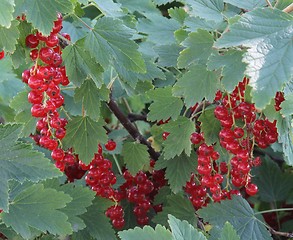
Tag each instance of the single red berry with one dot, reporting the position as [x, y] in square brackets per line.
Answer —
[110, 145]
[52, 40]
[196, 138]
[165, 135]
[46, 55]
[251, 189]
[31, 41]
[35, 97]
[2, 54]
[58, 154]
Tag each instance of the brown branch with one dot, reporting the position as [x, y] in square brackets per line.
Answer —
[134, 133]
[136, 117]
[288, 9]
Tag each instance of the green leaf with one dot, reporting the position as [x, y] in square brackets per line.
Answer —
[97, 223]
[110, 41]
[20, 162]
[143, 7]
[162, 2]
[10, 84]
[210, 10]
[273, 184]
[82, 198]
[9, 36]
[20, 104]
[6, 16]
[178, 206]
[135, 156]
[168, 55]
[160, 30]
[229, 233]
[178, 14]
[247, 5]
[179, 138]
[268, 35]
[164, 105]
[90, 96]
[79, 65]
[238, 212]
[182, 230]
[195, 23]
[75, 29]
[210, 126]
[84, 135]
[233, 67]
[178, 170]
[46, 214]
[146, 233]
[286, 106]
[285, 130]
[42, 14]
[198, 48]
[196, 84]
[109, 8]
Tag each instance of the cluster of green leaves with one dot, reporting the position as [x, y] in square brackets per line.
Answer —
[128, 51]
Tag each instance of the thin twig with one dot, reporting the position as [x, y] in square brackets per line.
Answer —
[288, 9]
[274, 210]
[283, 234]
[134, 133]
[269, 3]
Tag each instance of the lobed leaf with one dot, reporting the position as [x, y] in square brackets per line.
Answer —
[6, 16]
[182, 230]
[268, 35]
[238, 212]
[135, 156]
[196, 84]
[46, 215]
[179, 138]
[198, 48]
[178, 170]
[79, 65]
[9, 36]
[42, 14]
[84, 134]
[165, 105]
[109, 42]
[20, 162]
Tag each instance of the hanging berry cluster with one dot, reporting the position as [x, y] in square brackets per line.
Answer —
[44, 79]
[242, 129]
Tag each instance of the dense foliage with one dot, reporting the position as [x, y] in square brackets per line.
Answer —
[149, 119]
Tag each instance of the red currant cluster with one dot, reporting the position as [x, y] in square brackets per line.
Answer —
[241, 131]
[116, 214]
[44, 79]
[101, 177]
[137, 189]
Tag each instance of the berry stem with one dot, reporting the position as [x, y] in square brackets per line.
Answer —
[117, 164]
[274, 210]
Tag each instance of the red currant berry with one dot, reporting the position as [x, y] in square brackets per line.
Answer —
[2, 54]
[110, 145]
[251, 189]
[31, 41]
[58, 154]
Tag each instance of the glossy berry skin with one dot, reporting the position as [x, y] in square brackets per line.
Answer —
[251, 189]
[2, 54]
[110, 145]
[31, 41]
